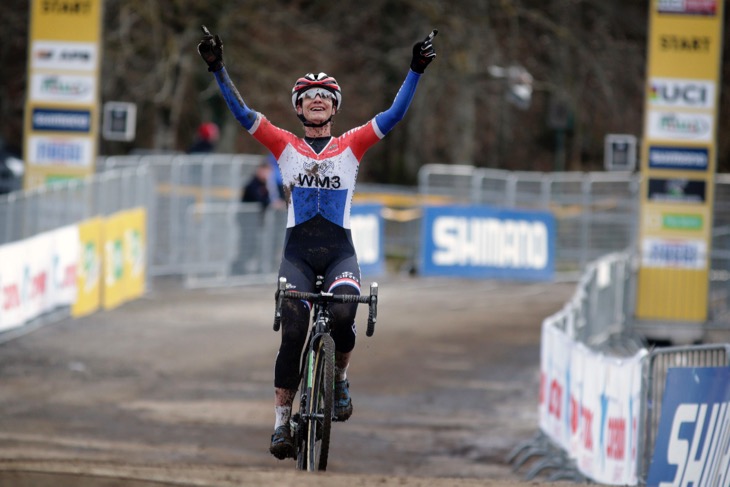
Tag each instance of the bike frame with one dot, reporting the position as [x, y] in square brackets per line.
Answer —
[311, 425]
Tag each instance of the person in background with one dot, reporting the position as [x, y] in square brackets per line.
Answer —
[256, 189]
[319, 172]
[276, 184]
[206, 137]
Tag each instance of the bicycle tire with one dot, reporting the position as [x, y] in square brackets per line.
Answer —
[321, 405]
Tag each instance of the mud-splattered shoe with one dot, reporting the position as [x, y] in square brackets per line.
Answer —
[343, 401]
[282, 444]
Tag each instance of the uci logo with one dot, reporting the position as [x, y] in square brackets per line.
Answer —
[682, 93]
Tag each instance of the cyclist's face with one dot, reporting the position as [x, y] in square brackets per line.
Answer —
[317, 109]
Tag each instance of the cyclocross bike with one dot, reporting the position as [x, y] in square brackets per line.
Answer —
[311, 425]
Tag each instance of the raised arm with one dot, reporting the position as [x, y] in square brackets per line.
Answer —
[211, 50]
[423, 54]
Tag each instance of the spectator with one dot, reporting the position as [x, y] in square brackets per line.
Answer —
[257, 189]
[205, 139]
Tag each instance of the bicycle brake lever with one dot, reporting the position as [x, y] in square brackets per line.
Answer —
[279, 298]
[372, 309]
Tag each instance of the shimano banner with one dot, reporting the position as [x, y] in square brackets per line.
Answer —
[487, 242]
[693, 442]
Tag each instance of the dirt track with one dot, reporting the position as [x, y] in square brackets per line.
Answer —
[176, 389]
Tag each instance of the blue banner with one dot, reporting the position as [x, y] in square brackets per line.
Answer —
[693, 441]
[487, 242]
[368, 232]
[47, 119]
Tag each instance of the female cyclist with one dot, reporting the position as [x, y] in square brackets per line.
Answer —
[319, 173]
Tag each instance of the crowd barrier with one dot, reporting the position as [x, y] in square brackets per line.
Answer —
[73, 270]
[193, 225]
[602, 391]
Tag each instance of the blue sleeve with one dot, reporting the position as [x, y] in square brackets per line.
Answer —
[243, 114]
[386, 120]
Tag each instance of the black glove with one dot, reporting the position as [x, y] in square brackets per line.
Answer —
[423, 53]
[211, 50]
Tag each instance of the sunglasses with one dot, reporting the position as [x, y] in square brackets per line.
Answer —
[313, 92]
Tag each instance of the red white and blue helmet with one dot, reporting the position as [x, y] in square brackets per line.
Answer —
[321, 80]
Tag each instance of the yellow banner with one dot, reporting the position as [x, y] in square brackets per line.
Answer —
[114, 293]
[61, 111]
[67, 20]
[135, 245]
[684, 45]
[678, 158]
[125, 240]
[89, 269]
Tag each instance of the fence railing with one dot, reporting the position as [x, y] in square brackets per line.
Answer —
[596, 214]
[27, 213]
[196, 228]
[656, 369]
[181, 182]
[597, 316]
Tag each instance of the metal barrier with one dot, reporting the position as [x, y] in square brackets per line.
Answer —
[232, 243]
[656, 368]
[597, 315]
[181, 182]
[596, 214]
[197, 228]
[27, 213]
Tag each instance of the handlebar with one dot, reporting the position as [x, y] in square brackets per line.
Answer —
[371, 300]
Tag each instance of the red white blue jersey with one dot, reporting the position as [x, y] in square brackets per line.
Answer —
[317, 184]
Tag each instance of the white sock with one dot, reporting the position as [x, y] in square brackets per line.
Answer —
[340, 374]
[283, 415]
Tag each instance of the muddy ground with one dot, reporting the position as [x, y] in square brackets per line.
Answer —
[176, 388]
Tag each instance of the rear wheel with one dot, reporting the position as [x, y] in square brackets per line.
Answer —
[320, 405]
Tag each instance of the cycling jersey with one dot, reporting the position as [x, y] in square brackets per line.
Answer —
[318, 183]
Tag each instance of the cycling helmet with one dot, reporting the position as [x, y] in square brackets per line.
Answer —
[321, 80]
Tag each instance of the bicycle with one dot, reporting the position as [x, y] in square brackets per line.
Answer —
[311, 425]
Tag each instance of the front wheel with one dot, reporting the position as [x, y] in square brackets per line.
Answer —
[320, 405]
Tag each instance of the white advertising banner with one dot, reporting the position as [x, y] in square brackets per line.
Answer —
[67, 254]
[77, 89]
[579, 376]
[607, 429]
[38, 255]
[554, 420]
[12, 257]
[64, 56]
[37, 275]
[61, 151]
[590, 404]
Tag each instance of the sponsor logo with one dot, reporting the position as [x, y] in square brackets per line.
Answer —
[693, 437]
[678, 158]
[677, 254]
[90, 266]
[680, 126]
[49, 151]
[677, 190]
[316, 176]
[66, 7]
[63, 88]
[490, 242]
[672, 221]
[671, 42]
[71, 56]
[680, 93]
[61, 120]
[687, 7]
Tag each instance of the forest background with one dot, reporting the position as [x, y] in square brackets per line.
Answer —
[586, 60]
